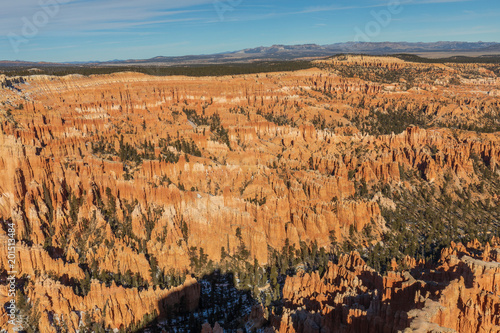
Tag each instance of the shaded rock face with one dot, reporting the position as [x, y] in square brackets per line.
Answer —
[125, 174]
[124, 306]
[459, 295]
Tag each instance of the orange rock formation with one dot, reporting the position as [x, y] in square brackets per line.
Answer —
[459, 295]
[72, 185]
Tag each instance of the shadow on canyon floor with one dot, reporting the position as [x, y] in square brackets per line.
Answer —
[377, 309]
[220, 301]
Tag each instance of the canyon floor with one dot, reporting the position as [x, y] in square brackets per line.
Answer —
[360, 194]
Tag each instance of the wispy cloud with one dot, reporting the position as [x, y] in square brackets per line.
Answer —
[54, 48]
[477, 30]
[417, 2]
[274, 13]
[79, 15]
[333, 8]
[146, 28]
[466, 15]
[317, 9]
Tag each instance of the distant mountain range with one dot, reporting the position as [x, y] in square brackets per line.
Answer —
[294, 52]
[291, 52]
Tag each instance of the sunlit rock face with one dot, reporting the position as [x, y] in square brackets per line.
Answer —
[459, 295]
[125, 176]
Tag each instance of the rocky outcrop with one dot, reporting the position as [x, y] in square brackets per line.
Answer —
[133, 174]
[460, 295]
[117, 307]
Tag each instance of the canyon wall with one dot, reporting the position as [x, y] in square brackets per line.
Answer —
[122, 181]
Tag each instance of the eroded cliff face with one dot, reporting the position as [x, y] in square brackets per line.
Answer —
[115, 307]
[131, 175]
[459, 295]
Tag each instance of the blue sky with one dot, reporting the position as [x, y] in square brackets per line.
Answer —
[86, 30]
